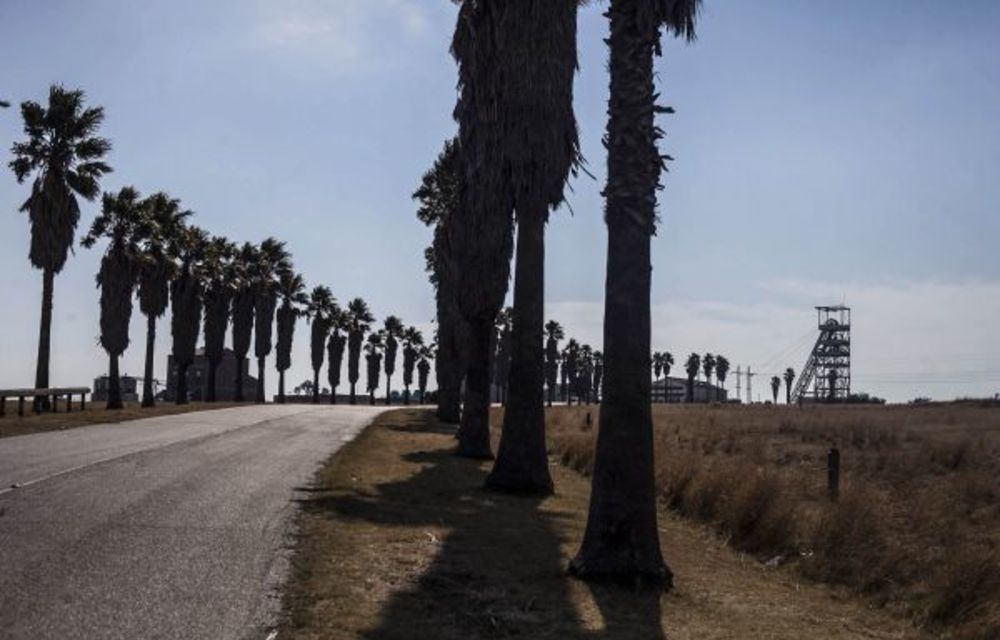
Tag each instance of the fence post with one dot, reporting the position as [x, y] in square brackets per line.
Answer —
[833, 473]
[588, 419]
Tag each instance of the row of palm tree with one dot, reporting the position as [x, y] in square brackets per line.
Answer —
[507, 168]
[153, 252]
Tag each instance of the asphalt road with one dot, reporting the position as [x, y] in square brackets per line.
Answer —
[169, 527]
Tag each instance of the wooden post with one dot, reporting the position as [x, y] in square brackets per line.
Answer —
[833, 473]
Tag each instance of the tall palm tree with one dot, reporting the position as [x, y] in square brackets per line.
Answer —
[373, 358]
[359, 319]
[480, 235]
[273, 261]
[165, 220]
[621, 542]
[392, 329]
[121, 222]
[322, 310]
[335, 350]
[439, 200]
[598, 375]
[721, 370]
[789, 380]
[668, 363]
[571, 357]
[243, 311]
[423, 370]
[708, 365]
[219, 277]
[413, 341]
[585, 375]
[292, 293]
[186, 292]
[65, 156]
[553, 334]
[775, 387]
[692, 366]
[657, 364]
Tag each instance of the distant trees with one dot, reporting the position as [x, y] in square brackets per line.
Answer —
[553, 335]
[335, 352]
[358, 321]
[323, 312]
[186, 291]
[392, 331]
[273, 260]
[66, 157]
[721, 370]
[423, 370]
[413, 344]
[789, 377]
[691, 367]
[775, 388]
[292, 293]
[373, 359]
[220, 276]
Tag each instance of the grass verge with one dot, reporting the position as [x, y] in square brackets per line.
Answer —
[398, 540]
[94, 413]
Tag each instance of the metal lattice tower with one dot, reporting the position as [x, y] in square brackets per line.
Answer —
[826, 376]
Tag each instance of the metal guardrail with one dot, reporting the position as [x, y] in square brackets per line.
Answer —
[54, 393]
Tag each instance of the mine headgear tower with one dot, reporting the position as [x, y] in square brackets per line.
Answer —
[826, 376]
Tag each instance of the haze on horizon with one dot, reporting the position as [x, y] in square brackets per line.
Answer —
[821, 157]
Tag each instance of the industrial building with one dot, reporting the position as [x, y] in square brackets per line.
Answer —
[674, 391]
[197, 378]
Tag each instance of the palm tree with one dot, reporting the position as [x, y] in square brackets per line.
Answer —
[121, 221]
[692, 366]
[657, 364]
[775, 387]
[166, 222]
[186, 303]
[323, 310]
[668, 362]
[480, 236]
[393, 329]
[359, 319]
[789, 379]
[335, 351]
[708, 365]
[273, 261]
[220, 274]
[621, 542]
[721, 370]
[571, 359]
[243, 311]
[413, 340]
[598, 374]
[65, 157]
[553, 334]
[423, 369]
[373, 358]
[439, 200]
[292, 292]
[585, 374]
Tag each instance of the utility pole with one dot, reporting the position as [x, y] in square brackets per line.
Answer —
[749, 387]
[739, 378]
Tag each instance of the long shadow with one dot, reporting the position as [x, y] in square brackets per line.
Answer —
[497, 573]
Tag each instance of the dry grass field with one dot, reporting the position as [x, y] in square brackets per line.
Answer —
[398, 540]
[94, 413]
[916, 529]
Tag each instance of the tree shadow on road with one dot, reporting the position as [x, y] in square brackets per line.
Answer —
[488, 565]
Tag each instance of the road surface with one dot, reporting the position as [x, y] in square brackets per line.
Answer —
[168, 527]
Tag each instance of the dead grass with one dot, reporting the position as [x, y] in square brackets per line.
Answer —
[398, 540]
[94, 413]
[917, 528]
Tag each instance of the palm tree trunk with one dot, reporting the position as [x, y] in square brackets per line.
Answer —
[353, 394]
[147, 382]
[406, 395]
[260, 399]
[114, 384]
[371, 397]
[182, 384]
[44, 341]
[315, 386]
[333, 395]
[522, 463]
[388, 390]
[281, 387]
[474, 431]
[238, 393]
[621, 542]
[210, 391]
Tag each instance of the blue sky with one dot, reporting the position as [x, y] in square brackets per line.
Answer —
[823, 153]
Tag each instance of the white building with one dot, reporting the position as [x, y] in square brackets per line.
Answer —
[674, 390]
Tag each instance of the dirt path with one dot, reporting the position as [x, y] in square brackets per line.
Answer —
[399, 541]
